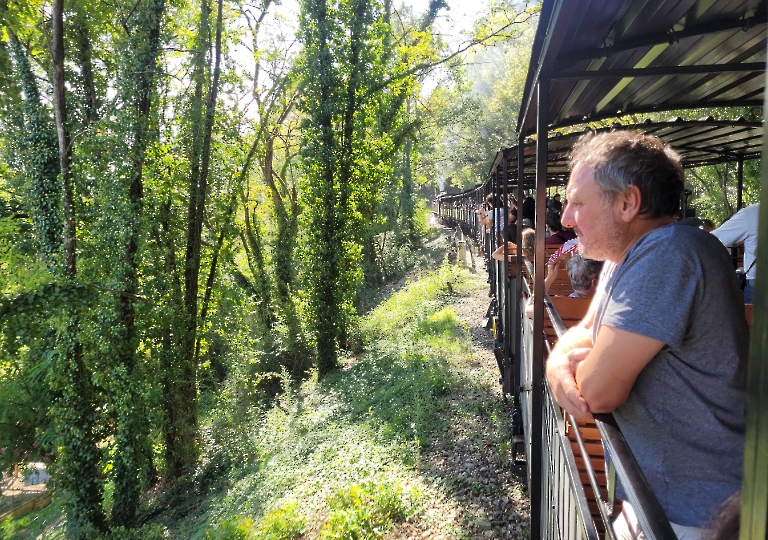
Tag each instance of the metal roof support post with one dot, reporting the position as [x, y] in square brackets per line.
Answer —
[517, 355]
[754, 490]
[740, 185]
[500, 276]
[537, 394]
[506, 387]
[494, 226]
[519, 266]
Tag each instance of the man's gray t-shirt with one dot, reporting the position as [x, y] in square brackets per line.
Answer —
[684, 417]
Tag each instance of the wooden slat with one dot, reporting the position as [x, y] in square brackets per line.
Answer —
[571, 308]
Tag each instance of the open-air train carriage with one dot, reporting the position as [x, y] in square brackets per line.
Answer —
[592, 60]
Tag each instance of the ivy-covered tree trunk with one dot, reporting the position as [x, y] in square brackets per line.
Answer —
[407, 207]
[184, 423]
[73, 410]
[320, 154]
[285, 212]
[39, 144]
[131, 433]
[75, 405]
[254, 248]
[84, 58]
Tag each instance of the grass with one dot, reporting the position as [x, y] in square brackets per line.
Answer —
[341, 458]
[34, 524]
[338, 458]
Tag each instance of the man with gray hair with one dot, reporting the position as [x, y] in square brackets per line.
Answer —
[584, 275]
[664, 344]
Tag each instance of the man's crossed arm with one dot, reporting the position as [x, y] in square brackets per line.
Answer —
[588, 379]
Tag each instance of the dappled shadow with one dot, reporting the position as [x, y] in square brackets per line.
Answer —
[455, 412]
[428, 257]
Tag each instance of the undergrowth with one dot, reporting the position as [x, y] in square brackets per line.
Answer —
[335, 458]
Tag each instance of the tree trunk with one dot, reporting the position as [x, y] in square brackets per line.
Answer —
[184, 453]
[43, 195]
[131, 434]
[328, 221]
[85, 62]
[407, 223]
[65, 150]
[80, 454]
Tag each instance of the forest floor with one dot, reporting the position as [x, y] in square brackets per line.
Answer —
[470, 456]
[410, 439]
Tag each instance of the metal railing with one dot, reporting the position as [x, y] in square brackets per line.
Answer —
[564, 507]
[621, 466]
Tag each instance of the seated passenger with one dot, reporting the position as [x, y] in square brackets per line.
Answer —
[664, 344]
[584, 275]
[529, 243]
[707, 225]
[555, 262]
[529, 209]
[529, 239]
[555, 230]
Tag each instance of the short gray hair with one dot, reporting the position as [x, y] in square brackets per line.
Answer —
[582, 271]
[623, 158]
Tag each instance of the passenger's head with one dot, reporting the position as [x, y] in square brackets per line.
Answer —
[726, 523]
[556, 197]
[621, 159]
[708, 225]
[691, 222]
[553, 223]
[622, 185]
[529, 242]
[584, 275]
[527, 223]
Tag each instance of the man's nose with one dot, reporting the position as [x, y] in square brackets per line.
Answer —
[567, 219]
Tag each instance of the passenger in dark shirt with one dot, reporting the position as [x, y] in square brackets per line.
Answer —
[555, 229]
[529, 209]
[554, 204]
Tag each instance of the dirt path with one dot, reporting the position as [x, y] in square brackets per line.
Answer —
[471, 460]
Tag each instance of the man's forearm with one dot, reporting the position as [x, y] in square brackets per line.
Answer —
[576, 337]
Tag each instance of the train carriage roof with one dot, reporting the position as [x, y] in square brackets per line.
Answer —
[699, 142]
[605, 58]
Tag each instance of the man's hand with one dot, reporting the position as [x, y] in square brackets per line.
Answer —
[561, 375]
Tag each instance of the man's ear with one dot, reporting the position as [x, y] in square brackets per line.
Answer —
[630, 202]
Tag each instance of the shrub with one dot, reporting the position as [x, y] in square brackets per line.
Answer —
[236, 529]
[285, 522]
[147, 532]
[368, 510]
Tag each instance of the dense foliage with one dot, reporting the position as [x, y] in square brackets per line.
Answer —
[190, 204]
[194, 197]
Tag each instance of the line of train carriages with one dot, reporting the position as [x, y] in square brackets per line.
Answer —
[594, 60]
